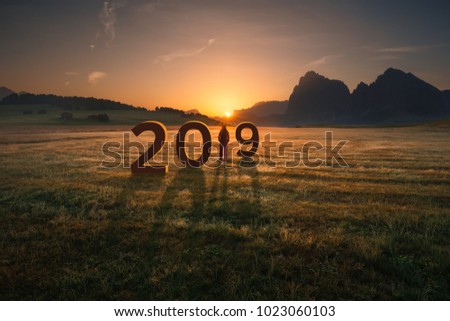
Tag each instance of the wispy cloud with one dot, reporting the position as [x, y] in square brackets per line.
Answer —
[95, 76]
[71, 73]
[108, 18]
[404, 49]
[182, 53]
[385, 57]
[322, 61]
[396, 53]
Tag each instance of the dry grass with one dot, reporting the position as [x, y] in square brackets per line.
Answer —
[376, 230]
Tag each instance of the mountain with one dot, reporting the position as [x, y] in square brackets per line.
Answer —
[398, 97]
[395, 97]
[317, 99]
[5, 92]
[446, 95]
[264, 108]
[268, 113]
[192, 111]
[358, 98]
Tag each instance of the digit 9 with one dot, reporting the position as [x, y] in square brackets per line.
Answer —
[253, 140]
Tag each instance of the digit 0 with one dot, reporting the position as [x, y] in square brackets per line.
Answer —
[160, 131]
[253, 140]
[180, 144]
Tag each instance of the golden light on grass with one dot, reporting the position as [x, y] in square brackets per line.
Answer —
[372, 208]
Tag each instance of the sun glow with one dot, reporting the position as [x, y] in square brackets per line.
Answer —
[228, 114]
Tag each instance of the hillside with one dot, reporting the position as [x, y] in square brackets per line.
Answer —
[44, 110]
[446, 95]
[264, 109]
[5, 92]
[264, 113]
[66, 103]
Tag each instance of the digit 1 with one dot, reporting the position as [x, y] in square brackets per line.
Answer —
[181, 148]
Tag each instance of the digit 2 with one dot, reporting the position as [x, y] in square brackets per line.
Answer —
[160, 131]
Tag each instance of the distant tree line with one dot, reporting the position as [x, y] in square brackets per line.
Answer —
[194, 115]
[169, 110]
[179, 112]
[66, 103]
[71, 104]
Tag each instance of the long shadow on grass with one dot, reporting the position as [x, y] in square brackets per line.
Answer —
[200, 236]
[239, 202]
[188, 186]
[131, 240]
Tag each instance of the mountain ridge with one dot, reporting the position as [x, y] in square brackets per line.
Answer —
[4, 92]
[394, 97]
[397, 94]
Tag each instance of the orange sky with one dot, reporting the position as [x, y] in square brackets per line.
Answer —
[215, 56]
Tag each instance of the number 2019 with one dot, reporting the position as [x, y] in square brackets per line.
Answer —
[160, 131]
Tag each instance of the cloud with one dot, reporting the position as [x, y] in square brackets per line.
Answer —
[108, 18]
[71, 73]
[385, 57]
[95, 76]
[404, 49]
[182, 53]
[322, 61]
[395, 53]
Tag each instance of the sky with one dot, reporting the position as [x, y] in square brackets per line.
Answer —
[215, 56]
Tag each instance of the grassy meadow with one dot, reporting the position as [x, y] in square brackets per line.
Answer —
[378, 229]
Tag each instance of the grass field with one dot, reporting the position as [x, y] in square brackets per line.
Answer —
[378, 229]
